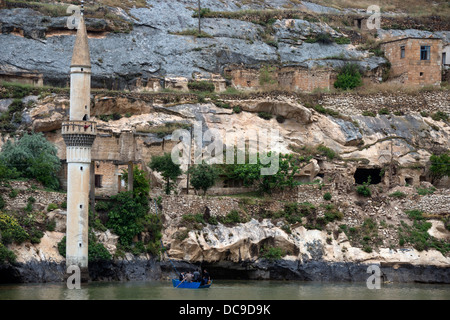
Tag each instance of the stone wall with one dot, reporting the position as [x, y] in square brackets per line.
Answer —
[290, 78]
[31, 78]
[430, 204]
[305, 80]
[353, 104]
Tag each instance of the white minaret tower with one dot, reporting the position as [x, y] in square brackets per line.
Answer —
[79, 134]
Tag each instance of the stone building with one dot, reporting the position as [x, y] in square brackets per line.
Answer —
[306, 80]
[9, 73]
[289, 78]
[415, 61]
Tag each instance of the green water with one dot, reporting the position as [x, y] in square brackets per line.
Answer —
[225, 290]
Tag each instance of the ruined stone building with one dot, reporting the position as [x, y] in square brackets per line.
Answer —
[289, 78]
[415, 61]
[10, 73]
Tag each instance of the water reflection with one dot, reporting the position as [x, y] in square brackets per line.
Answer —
[224, 290]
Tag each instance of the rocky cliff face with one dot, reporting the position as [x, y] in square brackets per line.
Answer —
[244, 248]
[154, 48]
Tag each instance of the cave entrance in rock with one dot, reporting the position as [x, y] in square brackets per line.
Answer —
[362, 175]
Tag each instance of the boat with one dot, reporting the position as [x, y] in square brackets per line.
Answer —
[190, 285]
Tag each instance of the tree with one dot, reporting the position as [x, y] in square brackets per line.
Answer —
[349, 77]
[250, 174]
[440, 165]
[168, 169]
[203, 177]
[141, 185]
[125, 217]
[32, 157]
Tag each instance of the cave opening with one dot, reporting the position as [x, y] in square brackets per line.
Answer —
[362, 175]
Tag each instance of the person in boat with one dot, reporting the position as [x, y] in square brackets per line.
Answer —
[189, 277]
[197, 276]
[206, 277]
[182, 275]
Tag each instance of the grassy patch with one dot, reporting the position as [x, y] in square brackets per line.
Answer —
[417, 234]
[194, 33]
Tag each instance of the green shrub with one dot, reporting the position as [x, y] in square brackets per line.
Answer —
[322, 38]
[2, 202]
[426, 191]
[417, 235]
[13, 193]
[321, 109]
[383, 111]
[193, 32]
[440, 116]
[327, 196]
[232, 217]
[52, 206]
[96, 250]
[6, 255]
[33, 157]
[349, 77]
[202, 86]
[398, 194]
[265, 115]
[203, 12]
[237, 109]
[50, 225]
[342, 40]
[332, 214]
[11, 231]
[62, 247]
[369, 114]
[364, 190]
[329, 153]
[271, 253]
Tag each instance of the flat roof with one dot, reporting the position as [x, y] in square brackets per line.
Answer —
[407, 38]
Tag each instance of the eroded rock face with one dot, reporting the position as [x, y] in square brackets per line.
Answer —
[244, 242]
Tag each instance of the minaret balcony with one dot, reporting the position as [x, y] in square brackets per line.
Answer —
[79, 133]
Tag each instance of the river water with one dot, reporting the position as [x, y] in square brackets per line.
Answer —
[225, 290]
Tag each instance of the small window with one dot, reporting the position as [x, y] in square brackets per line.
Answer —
[425, 53]
[402, 52]
[421, 74]
[98, 181]
[444, 58]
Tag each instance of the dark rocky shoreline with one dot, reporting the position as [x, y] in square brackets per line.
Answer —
[142, 269]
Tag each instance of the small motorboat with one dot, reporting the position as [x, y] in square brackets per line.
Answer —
[190, 285]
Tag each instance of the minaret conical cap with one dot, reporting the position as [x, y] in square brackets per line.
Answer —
[81, 56]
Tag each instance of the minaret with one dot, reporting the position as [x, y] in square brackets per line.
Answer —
[79, 134]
